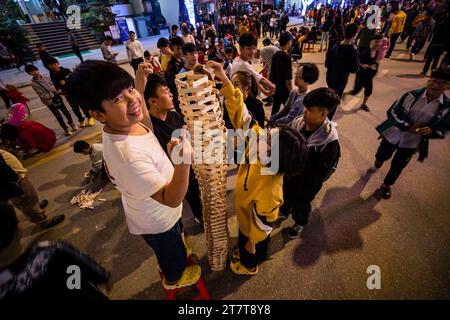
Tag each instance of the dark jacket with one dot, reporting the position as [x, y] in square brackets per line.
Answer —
[341, 60]
[59, 79]
[43, 271]
[398, 116]
[323, 149]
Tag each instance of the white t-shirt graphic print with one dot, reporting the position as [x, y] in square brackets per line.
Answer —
[139, 167]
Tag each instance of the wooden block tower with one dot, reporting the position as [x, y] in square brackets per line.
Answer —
[204, 118]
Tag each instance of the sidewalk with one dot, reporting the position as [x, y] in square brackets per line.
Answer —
[22, 79]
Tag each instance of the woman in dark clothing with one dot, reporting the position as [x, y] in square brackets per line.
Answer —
[336, 32]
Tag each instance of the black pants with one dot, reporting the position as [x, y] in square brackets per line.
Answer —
[272, 32]
[170, 251]
[406, 32]
[249, 260]
[280, 97]
[433, 56]
[56, 109]
[298, 193]
[417, 47]
[363, 79]
[135, 63]
[394, 38]
[399, 162]
[76, 50]
[193, 197]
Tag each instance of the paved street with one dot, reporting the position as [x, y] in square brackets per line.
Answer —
[408, 236]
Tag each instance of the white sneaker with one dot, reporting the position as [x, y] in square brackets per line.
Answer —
[68, 132]
[74, 127]
[334, 123]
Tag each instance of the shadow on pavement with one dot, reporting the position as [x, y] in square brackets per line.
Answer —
[74, 176]
[336, 225]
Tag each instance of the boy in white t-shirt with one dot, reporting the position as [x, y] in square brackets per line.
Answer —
[152, 189]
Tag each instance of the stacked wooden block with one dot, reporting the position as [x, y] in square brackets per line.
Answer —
[204, 118]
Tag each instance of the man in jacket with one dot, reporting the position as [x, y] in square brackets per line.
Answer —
[416, 117]
[323, 154]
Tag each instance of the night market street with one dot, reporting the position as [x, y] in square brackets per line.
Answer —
[351, 227]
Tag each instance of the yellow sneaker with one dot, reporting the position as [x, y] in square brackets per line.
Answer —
[189, 277]
[91, 122]
[238, 268]
[83, 124]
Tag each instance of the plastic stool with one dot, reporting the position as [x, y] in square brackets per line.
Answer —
[200, 284]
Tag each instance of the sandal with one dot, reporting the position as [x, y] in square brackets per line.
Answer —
[237, 267]
[190, 276]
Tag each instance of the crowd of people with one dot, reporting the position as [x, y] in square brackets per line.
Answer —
[139, 115]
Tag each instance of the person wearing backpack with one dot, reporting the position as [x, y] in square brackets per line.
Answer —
[323, 154]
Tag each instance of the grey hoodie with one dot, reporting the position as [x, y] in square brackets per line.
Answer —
[325, 134]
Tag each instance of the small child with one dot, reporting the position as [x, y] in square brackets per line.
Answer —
[258, 195]
[95, 152]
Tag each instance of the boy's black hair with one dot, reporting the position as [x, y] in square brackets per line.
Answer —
[162, 43]
[228, 50]
[132, 32]
[189, 48]
[248, 40]
[147, 53]
[293, 152]
[94, 81]
[52, 60]
[285, 37]
[267, 42]
[441, 73]
[323, 98]
[310, 72]
[174, 27]
[351, 30]
[80, 145]
[8, 224]
[109, 38]
[30, 68]
[154, 81]
[177, 41]
[39, 44]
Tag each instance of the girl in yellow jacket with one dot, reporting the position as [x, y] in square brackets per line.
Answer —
[259, 187]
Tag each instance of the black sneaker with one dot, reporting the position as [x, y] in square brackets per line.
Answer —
[295, 231]
[378, 164]
[386, 191]
[364, 107]
[53, 222]
[43, 204]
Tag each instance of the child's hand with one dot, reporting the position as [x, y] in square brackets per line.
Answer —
[218, 70]
[250, 247]
[144, 69]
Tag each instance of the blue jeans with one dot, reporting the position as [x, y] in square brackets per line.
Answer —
[170, 251]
